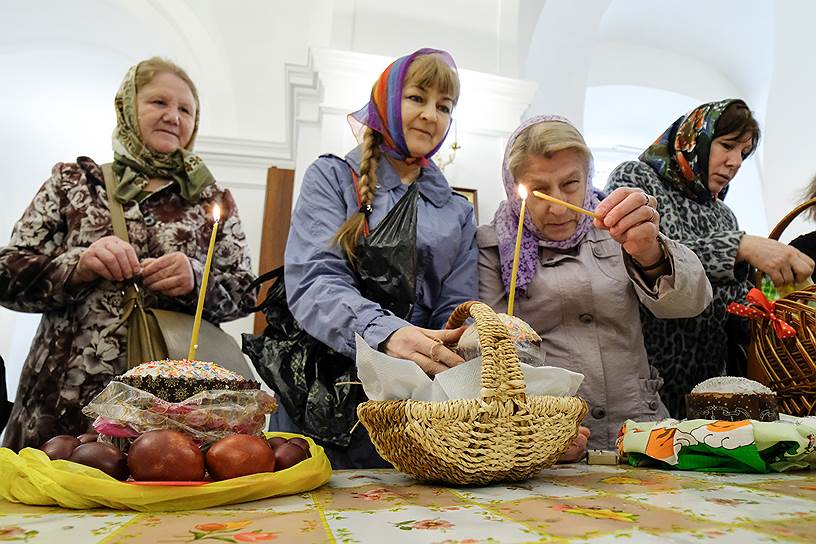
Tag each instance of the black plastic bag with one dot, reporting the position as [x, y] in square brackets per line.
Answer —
[386, 258]
[303, 371]
[5, 405]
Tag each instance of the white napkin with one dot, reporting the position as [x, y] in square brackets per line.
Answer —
[388, 378]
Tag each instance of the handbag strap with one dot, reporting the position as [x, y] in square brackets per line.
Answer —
[116, 210]
[132, 296]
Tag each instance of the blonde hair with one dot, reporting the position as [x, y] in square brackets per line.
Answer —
[431, 72]
[545, 139]
[428, 72]
[150, 68]
[810, 193]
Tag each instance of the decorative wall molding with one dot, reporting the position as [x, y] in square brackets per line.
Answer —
[243, 162]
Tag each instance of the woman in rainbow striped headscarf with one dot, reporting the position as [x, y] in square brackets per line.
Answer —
[389, 174]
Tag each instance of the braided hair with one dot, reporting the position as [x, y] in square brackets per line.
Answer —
[349, 232]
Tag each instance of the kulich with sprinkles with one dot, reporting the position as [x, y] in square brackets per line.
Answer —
[176, 380]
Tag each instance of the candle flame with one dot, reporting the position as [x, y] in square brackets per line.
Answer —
[216, 213]
[522, 191]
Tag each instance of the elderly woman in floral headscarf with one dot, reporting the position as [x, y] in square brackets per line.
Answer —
[580, 279]
[63, 260]
[344, 199]
[688, 170]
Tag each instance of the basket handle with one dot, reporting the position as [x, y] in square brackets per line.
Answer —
[781, 226]
[502, 378]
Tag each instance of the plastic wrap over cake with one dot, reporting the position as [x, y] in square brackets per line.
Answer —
[122, 411]
[199, 398]
[526, 340]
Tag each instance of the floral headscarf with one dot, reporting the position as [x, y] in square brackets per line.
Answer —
[383, 113]
[680, 154]
[135, 163]
[507, 216]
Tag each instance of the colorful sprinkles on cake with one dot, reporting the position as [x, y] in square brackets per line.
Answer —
[184, 368]
[175, 381]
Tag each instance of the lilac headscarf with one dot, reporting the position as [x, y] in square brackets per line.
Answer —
[506, 219]
[383, 113]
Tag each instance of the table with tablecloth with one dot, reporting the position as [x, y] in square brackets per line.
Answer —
[566, 503]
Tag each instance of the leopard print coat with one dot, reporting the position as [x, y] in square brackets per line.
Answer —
[688, 351]
[73, 355]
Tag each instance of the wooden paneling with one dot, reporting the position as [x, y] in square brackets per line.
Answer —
[277, 215]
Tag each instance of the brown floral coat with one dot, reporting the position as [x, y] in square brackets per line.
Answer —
[72, 357]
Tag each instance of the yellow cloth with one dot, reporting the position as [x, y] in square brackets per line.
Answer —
[30, 477]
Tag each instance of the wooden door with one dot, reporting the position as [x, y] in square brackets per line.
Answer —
[277, 215]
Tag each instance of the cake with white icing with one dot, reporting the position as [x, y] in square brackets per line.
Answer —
[730, 398]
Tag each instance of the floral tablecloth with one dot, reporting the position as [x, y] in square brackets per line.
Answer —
[568, 503]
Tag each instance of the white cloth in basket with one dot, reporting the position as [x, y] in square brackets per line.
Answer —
[388, 378]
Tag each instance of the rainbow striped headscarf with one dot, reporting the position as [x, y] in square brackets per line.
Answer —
[383, 113]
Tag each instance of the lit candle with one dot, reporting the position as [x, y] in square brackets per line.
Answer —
[203, 290]
[523, 194]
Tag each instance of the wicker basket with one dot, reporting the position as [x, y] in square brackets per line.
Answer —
[790, 364]
[503, 435]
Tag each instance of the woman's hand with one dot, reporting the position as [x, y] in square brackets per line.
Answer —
[578, 449]
[110, 258]
[785, 264]
[630, 216]
[425, 347]
[170, 274]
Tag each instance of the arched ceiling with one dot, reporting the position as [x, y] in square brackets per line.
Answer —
[735, 37]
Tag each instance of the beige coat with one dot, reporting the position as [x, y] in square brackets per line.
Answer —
[584, 306]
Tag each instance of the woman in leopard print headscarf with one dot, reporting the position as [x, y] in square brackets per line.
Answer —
[688, 169]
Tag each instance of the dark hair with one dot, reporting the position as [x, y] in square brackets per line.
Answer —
[737, 118]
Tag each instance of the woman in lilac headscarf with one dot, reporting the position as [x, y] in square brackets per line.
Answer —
[403, 125]
[580, 280]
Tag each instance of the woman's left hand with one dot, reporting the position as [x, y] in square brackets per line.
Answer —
[578, 448]
[170, 274]
[631, 218]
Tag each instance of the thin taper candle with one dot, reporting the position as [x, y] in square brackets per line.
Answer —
[560, 202]
[522, 191]
[202, 292]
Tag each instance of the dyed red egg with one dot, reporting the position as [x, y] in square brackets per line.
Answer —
[240, 455]
[165, 456]
[288, 455]
[106, 457]
[84, 438]
[60, 447]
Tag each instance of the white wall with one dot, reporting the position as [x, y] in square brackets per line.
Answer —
[791, 114]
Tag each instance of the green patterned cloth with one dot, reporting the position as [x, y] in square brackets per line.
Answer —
[721, 446]
[772, 293]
